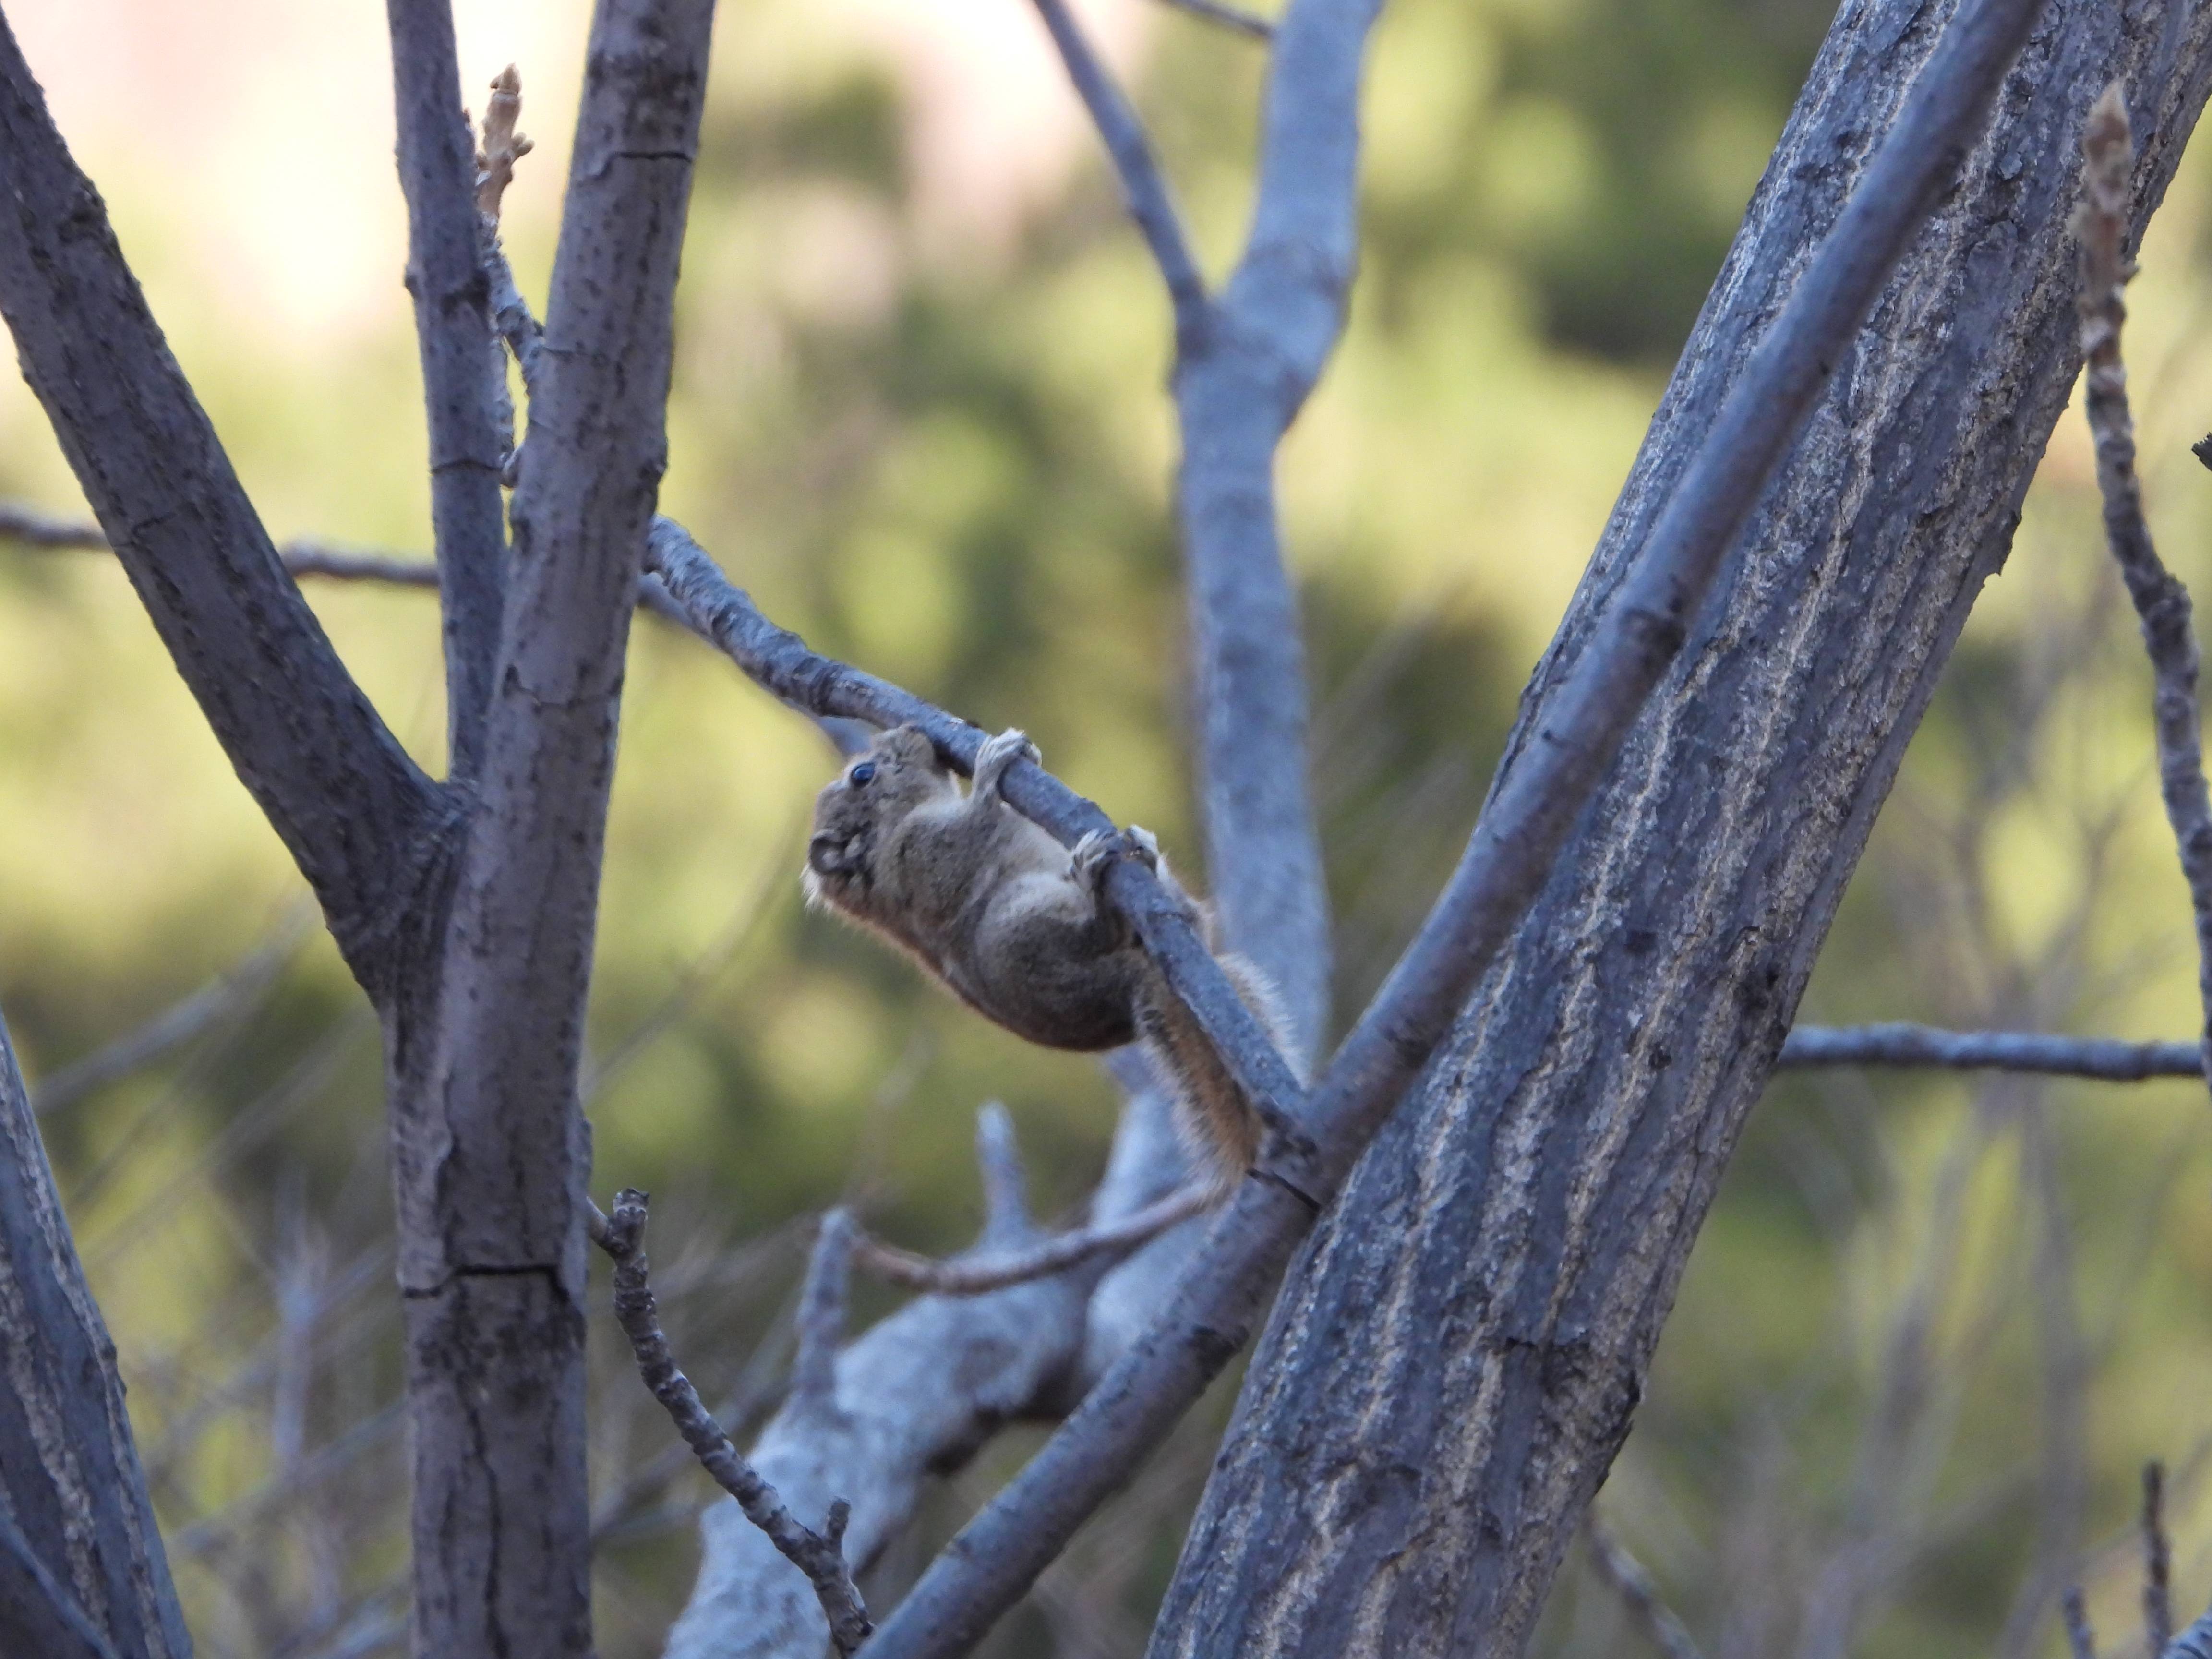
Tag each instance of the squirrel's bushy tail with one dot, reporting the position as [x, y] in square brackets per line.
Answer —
[1219, 1129]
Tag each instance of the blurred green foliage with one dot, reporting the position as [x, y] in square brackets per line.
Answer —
[1934, 1326]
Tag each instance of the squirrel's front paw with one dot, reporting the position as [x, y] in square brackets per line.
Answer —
[997, 754]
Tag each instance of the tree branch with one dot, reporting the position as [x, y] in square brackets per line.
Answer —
[1899, 1044]
[2160, 600]
[212, 1004]
[820, 1555]
[82, 1572]
[1624, 1576]
[1142, 186]
[2158, 1564]
[1526, 821]
[781, 663]
[355, 813]
[1228, 17]
[489, 1154]
[972, 1275]
[464, 379]
[2081, 1641]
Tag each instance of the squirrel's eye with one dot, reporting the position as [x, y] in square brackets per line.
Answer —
[860, 773]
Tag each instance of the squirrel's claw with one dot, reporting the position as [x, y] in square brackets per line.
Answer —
[996, 755]
[1095, 854]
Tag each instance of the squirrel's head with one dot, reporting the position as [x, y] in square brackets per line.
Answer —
[897, 773]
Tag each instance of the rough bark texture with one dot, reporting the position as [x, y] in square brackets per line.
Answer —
[464, 368]
[1460, 1350]
[489, 1151]
[358, 816]
[82, 1569]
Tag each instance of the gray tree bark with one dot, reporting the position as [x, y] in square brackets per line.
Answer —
[81, 1568]
[467, 911]
[1460, 1351]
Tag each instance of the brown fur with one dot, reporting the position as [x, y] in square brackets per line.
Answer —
[1014, 924]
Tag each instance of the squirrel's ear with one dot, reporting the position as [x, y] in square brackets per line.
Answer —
[912, 745]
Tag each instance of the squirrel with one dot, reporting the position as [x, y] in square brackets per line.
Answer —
[1017, 927]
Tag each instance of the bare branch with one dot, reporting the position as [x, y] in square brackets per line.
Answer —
[1228, 17]
[353, 809]
[489, 1154]
[2158, 1564]
[822, 1311]
[1625, 1576]
[1901, 1044]
[174, 1026]
[463, 379]
[1528, 818]
[971, 1275]
[2081, 1641]
[2195, 1643]
[1142, 184]
[2160, 600]
[781, 663]
[820, 1555]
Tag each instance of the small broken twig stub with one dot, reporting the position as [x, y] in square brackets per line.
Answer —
[819, 1555]
[2160, 601]
[503, 145]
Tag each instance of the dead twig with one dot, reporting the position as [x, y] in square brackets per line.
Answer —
[502, 146]
[819, 1555]
[2160, 600]
[1625, 1576]
[972, 1275]
[2106, 1059]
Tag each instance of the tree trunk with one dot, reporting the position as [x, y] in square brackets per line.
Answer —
[1460, 1350]
[82, 1571]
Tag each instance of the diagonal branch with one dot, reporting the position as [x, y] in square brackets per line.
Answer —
[2160, 600]
[780, 661]
[353, 809]
[1625, 1576]
[1526, 820]
[973, 1275]
[1142, 184]
[819, 1555]
[463, 379]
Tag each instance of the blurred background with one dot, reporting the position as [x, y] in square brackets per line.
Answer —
[1935, 1325]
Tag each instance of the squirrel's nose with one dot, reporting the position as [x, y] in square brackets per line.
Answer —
[822, 855]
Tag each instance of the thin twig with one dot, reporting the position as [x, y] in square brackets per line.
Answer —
[1142, 184]
[820, 1555]
[972, 1275]
[1624, 1574]
[229, 992]
[2080, 1639]
[501, 146]
[1902, 1044]
[2160, 600]
[2158, 1564]
[1228, 17]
